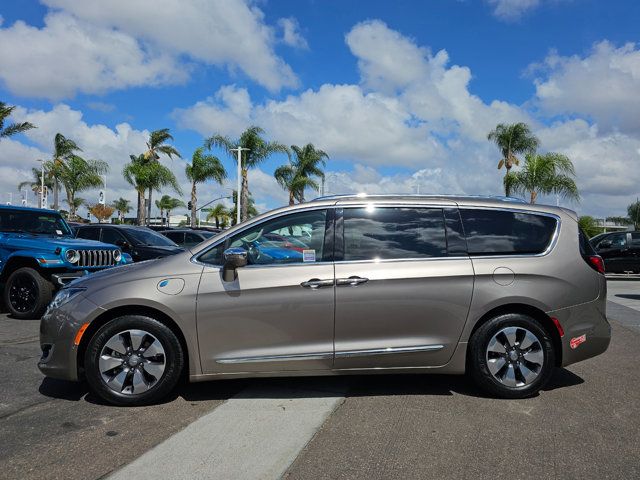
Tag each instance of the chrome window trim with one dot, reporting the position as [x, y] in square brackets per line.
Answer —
[277, 358]
[387, 351]
[400, 260]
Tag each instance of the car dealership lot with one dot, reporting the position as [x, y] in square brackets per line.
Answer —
[584, 424]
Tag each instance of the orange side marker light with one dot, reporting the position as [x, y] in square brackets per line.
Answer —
[76, 341]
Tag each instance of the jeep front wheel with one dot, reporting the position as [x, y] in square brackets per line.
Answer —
[27, 293]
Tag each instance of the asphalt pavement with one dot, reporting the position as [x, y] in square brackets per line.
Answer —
[585, 424]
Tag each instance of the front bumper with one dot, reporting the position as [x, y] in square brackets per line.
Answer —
[58, 329]
[61, 279]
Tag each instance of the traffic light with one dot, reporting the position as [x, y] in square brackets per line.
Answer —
[189, 205]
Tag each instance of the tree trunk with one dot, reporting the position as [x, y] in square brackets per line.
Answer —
[168, 216]
[291, 199]
[194, 200]
[506, 186]
[217, 222]
[149, 207]
[244, 197]
[140, 219]
[534, 196]
[55, 193]
[72, 207]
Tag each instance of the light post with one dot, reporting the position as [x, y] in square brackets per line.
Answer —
[239, 149]
[42, 198]
[199, 209]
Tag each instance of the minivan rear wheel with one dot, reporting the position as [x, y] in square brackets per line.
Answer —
[133, 360]
[511, 356]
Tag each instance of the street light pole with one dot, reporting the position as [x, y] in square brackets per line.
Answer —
[239, 149]
[42, 205]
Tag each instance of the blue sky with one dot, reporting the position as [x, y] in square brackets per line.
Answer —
[400, 94]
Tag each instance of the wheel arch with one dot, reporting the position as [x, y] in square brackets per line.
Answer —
[122, 310]
[540, 316]
[15, 262]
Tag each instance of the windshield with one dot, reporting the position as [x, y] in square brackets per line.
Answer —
[35, 223]
[150, 238]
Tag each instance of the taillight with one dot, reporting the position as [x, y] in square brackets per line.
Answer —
[596, 262]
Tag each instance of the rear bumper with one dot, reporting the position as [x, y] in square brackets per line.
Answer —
[587, 332]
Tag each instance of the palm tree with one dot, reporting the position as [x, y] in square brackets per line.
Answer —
[122, 206]
[156, 145]
[219, 213]
[148, 176]
[633, 211]
[252, 211]
[63, 149]
[36, 183]
[296, 176]
[202, 168]
[12, 128]
[77, 203]
[589, 225]
[258, 151]
[550, 173]
[168, 203]
[511, 140]
[78, 174]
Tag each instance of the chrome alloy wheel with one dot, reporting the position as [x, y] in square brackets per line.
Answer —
[132, 362]
[515, 356]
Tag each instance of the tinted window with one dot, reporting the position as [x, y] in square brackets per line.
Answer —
[499, 232]
[635, 239]
[191, 239]
[616, 240]
[112, 236]
[90, 233]
[37, 223]
[393, 233]
[293, 238]
[177, 237]
[586, 249]
[146, 236]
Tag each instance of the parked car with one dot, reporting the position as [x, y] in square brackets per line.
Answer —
[38, 254]
[619, 250]
[186, 237]
[503, 290]
[141, 243]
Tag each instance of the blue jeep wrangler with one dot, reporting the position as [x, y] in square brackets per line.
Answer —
[38, 253]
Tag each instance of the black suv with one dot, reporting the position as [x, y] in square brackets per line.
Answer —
[186, 237]
[140, 242]
[619, 250]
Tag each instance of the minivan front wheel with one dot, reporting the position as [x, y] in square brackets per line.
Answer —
[511, 356]
[133, 360]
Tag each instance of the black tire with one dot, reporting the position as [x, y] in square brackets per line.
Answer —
[478, 364]
[173, 361]
[27, 293]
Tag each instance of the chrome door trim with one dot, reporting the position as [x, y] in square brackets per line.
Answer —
[277, 358]
[388, 350]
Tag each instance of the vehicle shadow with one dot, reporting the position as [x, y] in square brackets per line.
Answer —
[311, 387]
[629, 296]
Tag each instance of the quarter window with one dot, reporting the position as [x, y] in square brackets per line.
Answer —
[501, 232]
[294, 238]
[382, 233]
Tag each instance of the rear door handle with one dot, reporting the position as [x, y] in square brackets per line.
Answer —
[351, 281]
[316, 283]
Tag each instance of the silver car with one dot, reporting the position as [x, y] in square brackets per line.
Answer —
[502, 290]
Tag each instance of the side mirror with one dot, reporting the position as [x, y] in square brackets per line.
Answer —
[123, 244]
[234, 258]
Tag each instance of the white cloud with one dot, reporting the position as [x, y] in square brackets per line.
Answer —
[511, 10]
[119, 44]
[604, 85]
[291, 33]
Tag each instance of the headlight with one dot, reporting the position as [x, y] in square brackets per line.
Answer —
[64, 295]
[117, 256]
[72, 256]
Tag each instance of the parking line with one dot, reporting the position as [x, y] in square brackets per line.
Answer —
[257, 434]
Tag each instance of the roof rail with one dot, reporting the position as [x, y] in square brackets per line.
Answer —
[415, 195]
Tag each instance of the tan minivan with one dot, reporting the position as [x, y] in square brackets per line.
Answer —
[503, 290]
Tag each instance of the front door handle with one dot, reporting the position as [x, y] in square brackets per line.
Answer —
[316, 283]
[351, 281]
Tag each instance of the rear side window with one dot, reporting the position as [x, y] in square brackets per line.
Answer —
[384, 233]
[90, 233]
[501, 232]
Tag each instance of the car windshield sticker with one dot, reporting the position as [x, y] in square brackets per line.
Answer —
[308, 255]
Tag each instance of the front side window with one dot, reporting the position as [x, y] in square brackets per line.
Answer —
[112, 236]
[618, 240]
[89, 233]
[382, 233]
[293, 238]
[146, 236]
[502, 232]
